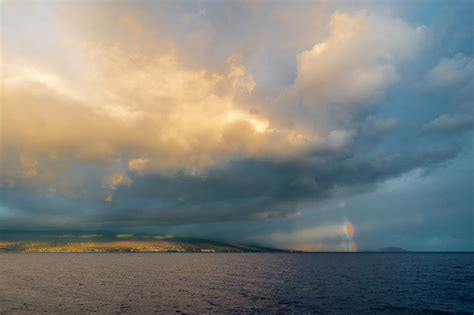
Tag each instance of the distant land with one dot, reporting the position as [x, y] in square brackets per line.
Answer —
[99, 241]
[129, 246]
[109, 242]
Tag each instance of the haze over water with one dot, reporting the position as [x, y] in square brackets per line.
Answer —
[237, 283]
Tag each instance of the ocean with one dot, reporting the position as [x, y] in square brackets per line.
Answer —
[268, 283]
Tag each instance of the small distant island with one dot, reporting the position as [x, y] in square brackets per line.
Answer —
[392, 249]
[388, 249]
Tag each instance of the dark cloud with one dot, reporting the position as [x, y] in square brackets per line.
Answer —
[240, 190]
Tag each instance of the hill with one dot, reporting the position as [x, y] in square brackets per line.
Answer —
[100, 241]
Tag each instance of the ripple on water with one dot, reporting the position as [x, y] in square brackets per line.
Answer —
[236, 283]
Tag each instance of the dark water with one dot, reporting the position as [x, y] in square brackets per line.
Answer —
[236, 283]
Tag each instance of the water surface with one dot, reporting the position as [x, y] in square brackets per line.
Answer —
[237, 283]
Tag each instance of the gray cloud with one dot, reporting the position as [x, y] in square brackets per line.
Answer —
[376, 127]
[450, 123]
[241, 190]
[449, 72]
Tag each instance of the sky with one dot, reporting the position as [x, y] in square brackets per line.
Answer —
[308, 125]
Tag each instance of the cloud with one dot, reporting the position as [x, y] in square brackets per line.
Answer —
[374, 126]
[350, 69]
[119, 129]
[148, 111]
[450, 72]
[241, 190]
[450, 123]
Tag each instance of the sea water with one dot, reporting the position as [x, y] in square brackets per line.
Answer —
[237, 283]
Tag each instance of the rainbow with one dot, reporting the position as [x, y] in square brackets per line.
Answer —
[349, 231]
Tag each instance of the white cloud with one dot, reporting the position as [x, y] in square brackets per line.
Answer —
[357, 61]
[350, 69]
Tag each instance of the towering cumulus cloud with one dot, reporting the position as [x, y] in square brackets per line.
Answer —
[350, 69]
[117, 116]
